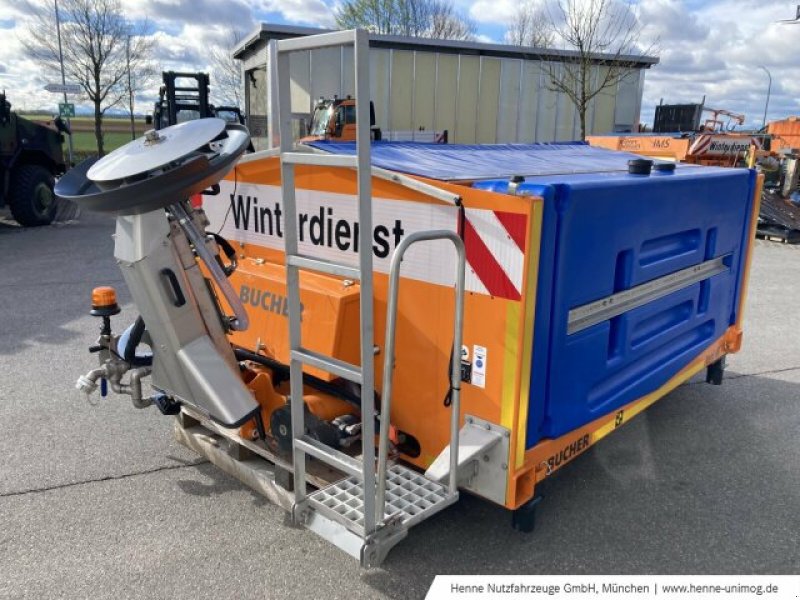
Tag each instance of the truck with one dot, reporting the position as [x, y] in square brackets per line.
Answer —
[679, 135]
[719, 149]
[334, 119]
[31, 157]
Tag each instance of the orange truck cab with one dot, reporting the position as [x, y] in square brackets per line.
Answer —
[335, 120]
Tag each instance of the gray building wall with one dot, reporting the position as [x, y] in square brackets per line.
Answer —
[479, 93]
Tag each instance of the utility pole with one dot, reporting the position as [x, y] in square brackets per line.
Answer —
[130, 85]
[769, 89]
[63, 78]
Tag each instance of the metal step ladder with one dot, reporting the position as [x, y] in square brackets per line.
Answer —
[371, 509]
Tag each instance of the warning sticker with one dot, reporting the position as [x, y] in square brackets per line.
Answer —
[479, 366]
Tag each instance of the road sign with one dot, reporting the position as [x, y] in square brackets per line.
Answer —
[66, 110]
[63, 88]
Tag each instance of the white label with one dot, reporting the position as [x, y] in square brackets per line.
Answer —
[479, 366]
[602, 587]
[328, 227]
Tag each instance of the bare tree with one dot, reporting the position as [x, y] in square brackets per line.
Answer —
[530, 26]
[448, 24]
[601, 33]
[436, 19]
[140, 73]
[379, 16]
[226, 70]
[94, 35]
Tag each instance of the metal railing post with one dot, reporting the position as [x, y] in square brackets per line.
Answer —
[292, 275]
[363, 141]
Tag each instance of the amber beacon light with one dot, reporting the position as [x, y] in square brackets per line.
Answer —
[104, 301]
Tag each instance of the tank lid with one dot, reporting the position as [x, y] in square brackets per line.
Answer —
[640, 166]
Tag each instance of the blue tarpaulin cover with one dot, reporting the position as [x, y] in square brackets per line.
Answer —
[449, 162]
[603, 231]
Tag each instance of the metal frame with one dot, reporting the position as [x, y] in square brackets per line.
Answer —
[241, 320]
[519, 99]
[389, 358]
[364, 374]
[361, 520]
[385, 174]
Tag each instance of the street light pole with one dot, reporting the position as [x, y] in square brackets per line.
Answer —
[769, 89]
[63, 79]
[130, 84]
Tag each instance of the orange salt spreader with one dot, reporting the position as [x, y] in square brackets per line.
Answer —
[364, 331]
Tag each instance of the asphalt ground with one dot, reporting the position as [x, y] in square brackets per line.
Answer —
[99, 501]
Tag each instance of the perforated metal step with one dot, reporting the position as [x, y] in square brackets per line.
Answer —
[410, 497]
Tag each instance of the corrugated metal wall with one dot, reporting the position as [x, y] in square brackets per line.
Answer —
[477, 99]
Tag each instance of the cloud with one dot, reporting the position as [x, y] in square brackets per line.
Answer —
[301, 12]
[715, 53]
[493, 11]
[669, 20]
[197, 12]
[710, 48]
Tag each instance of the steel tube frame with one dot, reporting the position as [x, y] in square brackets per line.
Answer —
[398, 178]
[240, 321]
[360, 41]
[363, 146]
[388, 360]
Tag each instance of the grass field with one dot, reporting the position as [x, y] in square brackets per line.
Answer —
[116, 132]
[83, 141]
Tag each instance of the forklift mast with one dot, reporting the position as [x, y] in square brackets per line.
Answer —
[192, 95]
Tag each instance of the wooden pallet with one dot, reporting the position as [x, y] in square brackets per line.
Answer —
[266, 472]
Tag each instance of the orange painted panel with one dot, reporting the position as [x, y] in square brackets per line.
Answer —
[786, 133]
[667, 147]
[326, 208]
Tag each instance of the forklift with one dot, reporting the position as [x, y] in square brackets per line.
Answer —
[185, 97]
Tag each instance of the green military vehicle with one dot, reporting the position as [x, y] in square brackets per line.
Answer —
[31, 157]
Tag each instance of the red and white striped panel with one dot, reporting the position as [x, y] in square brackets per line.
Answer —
[700, 145]
[495, 247]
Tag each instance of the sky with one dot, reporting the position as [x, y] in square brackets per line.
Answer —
[711, 48]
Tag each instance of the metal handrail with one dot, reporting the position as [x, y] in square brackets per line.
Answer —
[388, 360]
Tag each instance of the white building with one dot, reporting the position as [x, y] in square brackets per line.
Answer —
[479, 93]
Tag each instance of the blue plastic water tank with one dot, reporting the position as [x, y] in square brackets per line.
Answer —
[605, 232]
